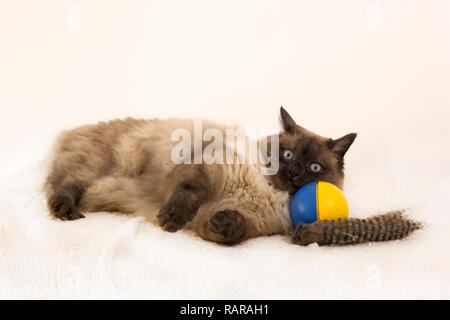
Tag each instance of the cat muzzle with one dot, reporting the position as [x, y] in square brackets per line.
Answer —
[298, 181]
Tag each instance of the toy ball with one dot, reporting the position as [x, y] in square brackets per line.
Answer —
[318, 201]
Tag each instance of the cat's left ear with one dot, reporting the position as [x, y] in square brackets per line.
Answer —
[341, 145]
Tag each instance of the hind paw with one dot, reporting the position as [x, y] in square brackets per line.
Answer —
[174, 216]
[62, 207]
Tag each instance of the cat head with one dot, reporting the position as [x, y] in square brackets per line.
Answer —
[305, 157]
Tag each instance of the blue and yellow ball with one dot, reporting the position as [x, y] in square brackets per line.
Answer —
[318, 201]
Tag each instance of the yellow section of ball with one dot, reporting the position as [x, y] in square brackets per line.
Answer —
[331, 202]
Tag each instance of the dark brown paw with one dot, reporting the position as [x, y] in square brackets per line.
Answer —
[63, 208]
[300, 235]
[230, 225]
[173, 216]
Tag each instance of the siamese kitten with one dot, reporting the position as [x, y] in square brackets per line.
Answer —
[125, 166]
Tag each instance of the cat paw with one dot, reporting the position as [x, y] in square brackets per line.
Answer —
[173, 216]
[306, 234]
[62, 207]
[301, 235]
[229, 225]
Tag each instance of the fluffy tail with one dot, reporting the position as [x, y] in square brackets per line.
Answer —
[389, 226]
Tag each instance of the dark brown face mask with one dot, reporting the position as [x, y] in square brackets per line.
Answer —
[305, 157]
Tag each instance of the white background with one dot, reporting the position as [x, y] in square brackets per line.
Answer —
[378, 68]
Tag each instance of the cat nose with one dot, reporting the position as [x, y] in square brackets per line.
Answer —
[293, 172]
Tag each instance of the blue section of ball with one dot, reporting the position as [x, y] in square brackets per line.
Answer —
[304, 205]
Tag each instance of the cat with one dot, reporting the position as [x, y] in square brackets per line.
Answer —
[125, 166]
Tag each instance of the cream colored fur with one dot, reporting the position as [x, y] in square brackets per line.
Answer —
[139, 176]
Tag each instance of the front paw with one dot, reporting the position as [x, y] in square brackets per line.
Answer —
[229, 225]
[301, 235]
[306, 234]
[173, 216]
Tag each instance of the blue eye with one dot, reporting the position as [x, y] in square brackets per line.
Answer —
[288, 154]
[315, 167]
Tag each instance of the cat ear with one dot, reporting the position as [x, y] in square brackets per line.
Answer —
[341, 145]
[286, 121]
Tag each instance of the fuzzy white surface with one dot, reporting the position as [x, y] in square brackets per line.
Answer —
[119, 256]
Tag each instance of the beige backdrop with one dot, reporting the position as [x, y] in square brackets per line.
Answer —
[379, 68]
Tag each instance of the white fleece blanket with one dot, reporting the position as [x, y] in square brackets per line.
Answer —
[119, 256]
